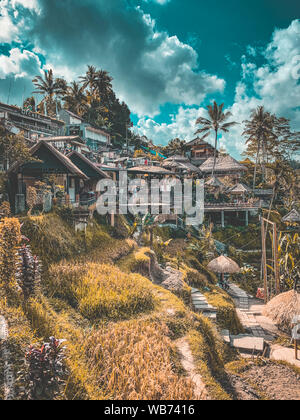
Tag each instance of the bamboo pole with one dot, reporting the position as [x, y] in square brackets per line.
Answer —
[276, 262]
[264, 259]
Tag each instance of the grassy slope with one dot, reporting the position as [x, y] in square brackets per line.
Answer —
[87, 299]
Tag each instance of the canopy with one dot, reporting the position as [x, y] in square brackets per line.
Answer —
[223, 265]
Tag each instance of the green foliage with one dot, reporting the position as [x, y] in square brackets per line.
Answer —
[10, 238]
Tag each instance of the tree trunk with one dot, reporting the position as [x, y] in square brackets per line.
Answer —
[256, 163]
[215, 154]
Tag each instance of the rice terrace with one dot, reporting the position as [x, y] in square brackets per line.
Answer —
[149, 203]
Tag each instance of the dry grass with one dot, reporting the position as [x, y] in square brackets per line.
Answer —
[134, 361]
[283, 308]
[101, 291]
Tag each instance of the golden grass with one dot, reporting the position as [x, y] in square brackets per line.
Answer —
[134, 361]
[101, 291]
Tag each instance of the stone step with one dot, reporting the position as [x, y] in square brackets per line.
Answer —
[248, 343]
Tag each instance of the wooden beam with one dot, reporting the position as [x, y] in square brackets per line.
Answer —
[276, 262]
[264, 260]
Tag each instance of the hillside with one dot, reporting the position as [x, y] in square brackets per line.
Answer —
[128, 333]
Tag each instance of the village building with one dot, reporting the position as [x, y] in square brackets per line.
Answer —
[94, 138]
[33, 125]
[198, 151]
[48, 162]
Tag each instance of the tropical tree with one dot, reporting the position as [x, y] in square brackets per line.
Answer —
[103, 85]
[89, 80]
[258, 130]
[29, 104]
[75, 99]
[216, 122]
[51, 88]
[289, 259]
[175, 147]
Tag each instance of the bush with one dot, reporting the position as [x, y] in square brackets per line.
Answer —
[10, 238]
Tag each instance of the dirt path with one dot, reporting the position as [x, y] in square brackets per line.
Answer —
[188, 364]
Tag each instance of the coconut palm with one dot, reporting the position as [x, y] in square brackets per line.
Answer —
[75, 99]
[258, 130]
[50, 87]
[89, 80]
[216, 123]
[103, 84]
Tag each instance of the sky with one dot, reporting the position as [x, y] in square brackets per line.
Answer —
[169, 58]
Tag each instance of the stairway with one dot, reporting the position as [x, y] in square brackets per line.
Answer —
[200, 304]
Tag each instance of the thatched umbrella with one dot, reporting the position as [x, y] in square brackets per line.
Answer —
[223, 265]
[292, 217]
[283, 308]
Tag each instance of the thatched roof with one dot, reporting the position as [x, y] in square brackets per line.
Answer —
[215, 182]
[171, 164]
[283, 308]
[189, 167]
[223, 265]
[177, 158]
[224, 164]
[292, 217]
[239, 189]
[153, 170]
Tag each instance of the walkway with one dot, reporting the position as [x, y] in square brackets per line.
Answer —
[249, 311]
[200, 304]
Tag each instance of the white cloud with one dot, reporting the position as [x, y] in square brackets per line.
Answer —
[19, 64]
[273, 85]
[9, 31]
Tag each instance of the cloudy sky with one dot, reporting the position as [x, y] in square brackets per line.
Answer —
[168, 58]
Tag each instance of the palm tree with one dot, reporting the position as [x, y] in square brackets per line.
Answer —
[258, 131]
[103, 85]
[75, 99]
[49, 87]
[216, 123]
[89, 80]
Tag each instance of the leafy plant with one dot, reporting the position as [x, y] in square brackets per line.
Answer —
[46, 371]
[10, 238]
[29, 272]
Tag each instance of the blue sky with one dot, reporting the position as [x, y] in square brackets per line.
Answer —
[169, 58]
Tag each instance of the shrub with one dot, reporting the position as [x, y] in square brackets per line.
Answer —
[46, 370]
[29, 272]
[10, 238]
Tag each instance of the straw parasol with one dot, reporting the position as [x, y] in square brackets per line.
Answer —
[223, 265]
[283, 308]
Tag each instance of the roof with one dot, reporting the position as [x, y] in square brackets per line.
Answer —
[155, 170]
[73, 115]
[292, 217]
[214, 182]
[38, 114]
[97, 130]
[239, 189]
[189, 167]
[62, 158]
[177, 158]
[87, 162]
[62, 138]
[198, 142]
[223, 164]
